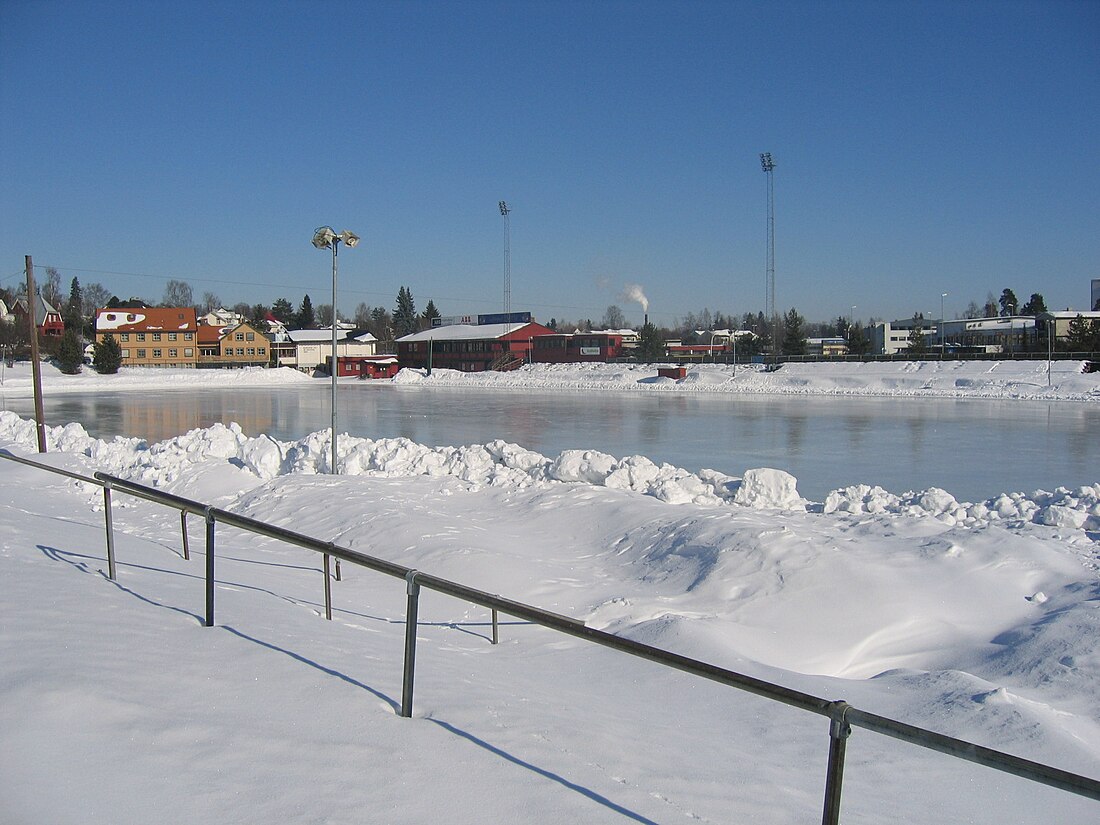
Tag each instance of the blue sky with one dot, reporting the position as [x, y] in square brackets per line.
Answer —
[920, 148]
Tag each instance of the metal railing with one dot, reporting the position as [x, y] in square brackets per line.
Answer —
[842, 716]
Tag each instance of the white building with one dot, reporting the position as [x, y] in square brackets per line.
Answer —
[308, 349]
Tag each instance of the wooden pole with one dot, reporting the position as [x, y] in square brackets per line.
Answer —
[36, 366]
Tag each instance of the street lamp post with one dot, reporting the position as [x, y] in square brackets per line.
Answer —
[943, 337]
[326, 238]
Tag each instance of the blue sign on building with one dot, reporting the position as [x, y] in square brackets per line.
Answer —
[505, 318]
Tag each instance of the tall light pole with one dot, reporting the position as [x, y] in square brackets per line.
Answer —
[769, 286]
[326, 238]
[504, 210]
[851, 322]
[943, 336]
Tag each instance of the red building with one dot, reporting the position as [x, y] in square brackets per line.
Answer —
[365, 366]
[46, 318]
[578, 347]
[470, 347]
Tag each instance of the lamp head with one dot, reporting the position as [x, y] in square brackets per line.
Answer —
[324, 237]
[350, 239]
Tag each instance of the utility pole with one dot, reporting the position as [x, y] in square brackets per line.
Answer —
[504, 210]
[36, 366]
[769, 298]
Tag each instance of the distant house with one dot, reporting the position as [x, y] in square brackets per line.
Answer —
[221, 317]
[46, 318]
[470, 347]
[232, 347]
[310, 349]
[826, 347]
[151, 336]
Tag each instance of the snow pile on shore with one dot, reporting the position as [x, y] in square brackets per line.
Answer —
[500, 464]
[1008, 379]
[949, 379]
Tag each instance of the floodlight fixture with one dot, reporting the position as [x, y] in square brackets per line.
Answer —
[324, 237]
[766, 161]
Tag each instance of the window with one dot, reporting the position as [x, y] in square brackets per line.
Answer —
[261, 350]
[141, 353]
[251, 350]
[141, 336]
[126, 353]
[156, 336]
[156, 353]
[239, 336]
[188, 336]
[125, 336]
[171, 336]
[240, 350]
[188, 353]
[173, 353]
[250, 336]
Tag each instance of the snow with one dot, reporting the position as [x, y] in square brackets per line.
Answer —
[975, 619]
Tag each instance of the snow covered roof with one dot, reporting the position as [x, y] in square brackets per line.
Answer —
[462, 332]
[315, 336]
[168, 319]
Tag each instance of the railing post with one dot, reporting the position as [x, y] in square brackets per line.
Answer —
[328, 590]
[839, 731]
[338, 577]
[183, 529]
[209, 567]
[109, 525]
[495, 637]
[413, 590]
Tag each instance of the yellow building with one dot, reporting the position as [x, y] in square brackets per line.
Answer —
[151, 336]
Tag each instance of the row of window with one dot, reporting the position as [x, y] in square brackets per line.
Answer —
[189, 352]
[124, 337]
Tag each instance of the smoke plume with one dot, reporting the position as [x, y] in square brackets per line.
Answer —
[633, 292]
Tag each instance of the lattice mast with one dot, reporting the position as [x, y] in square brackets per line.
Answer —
[770, 311]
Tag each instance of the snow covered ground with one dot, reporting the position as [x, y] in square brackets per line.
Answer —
[979, 620]
[952, 379]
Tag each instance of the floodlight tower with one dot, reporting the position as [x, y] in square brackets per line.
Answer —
[504, 210]
[769, 298]
[325, 237]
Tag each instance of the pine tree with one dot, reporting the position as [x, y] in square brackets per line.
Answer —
[107, 356]
[1008, 302]
[794, 338]
[70, 354]
[404, 314]
[1036, 305]
[650, 346]
[917, 343]
[305, 318]
[74, 309]
[283, 311]
[429, 314]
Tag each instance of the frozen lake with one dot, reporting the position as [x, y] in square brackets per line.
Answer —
[972, 448]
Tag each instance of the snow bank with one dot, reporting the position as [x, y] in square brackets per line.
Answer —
[951, 379]
[500, 464]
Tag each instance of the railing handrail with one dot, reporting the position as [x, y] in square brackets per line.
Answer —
[841, 713]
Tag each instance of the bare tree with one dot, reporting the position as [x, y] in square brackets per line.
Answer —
[209, 303]
[95, 296]
[51, 289]
[324, 315]
[177, 294]
[613, 318]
